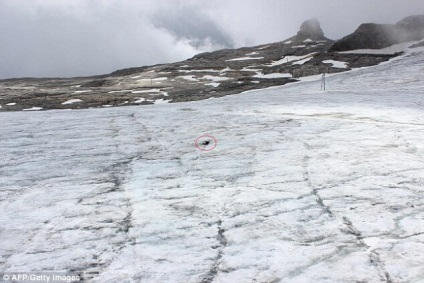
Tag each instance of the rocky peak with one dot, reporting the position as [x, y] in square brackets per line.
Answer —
[311, 28]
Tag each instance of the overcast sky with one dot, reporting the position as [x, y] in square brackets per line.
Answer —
[62, 38]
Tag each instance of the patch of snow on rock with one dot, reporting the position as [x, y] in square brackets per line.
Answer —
[213, 84]
[82, 91]
[301, 62]
[140, 100]
[287, 59]
[188, 78]
[245, 58]
[263, 47]
[272, 76]
[33, 109]
[401, 47]
[336, 64]
[199, 71]
[215, 78]
[147, 90]
[161, 101]
[226, 69]
[71, 101]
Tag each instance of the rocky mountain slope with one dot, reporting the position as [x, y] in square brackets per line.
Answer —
[207, 75]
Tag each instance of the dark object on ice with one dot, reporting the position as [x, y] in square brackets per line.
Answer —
[205, 143]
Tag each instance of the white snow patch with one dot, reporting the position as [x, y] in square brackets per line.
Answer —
[160, 79]
[215, 78]
[213, 84]
[120, 91]
[303, 61]
[188, 78]
[11, 104]
[71, 101]
[154, 91]
[336, 64]
[245, 58]
[288, 42]
[82, 91]
[151, 80]
[136, 77]
[161, 101]
[308, 40]
[226, 69]
[33, 109]
[199, 71]
[252, 53]
[147, 90]
[287, 59]
[263, 47]
[247, 69]
[255, 82]
[401, 47]
[298, 46]
[272, 76]
[140, 100]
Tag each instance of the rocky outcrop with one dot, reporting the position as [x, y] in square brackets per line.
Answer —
[367, 36]
[377, 36]
[311, 29]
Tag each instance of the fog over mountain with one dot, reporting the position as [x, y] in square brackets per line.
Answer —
[48, 38]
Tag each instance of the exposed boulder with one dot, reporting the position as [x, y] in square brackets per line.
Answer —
[311, 29]
[377, 36]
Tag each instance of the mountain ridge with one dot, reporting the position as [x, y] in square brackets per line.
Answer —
[205, 75]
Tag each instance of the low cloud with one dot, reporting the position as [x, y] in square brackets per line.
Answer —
[187, 23]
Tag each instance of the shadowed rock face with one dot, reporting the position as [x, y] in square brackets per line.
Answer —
[311, 29]
[367, 36]
[376, 36]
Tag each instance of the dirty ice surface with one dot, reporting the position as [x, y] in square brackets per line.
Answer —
[303, 185]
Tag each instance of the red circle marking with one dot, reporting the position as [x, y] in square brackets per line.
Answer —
[205, 136]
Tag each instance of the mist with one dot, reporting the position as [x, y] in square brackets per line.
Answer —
[50, 38]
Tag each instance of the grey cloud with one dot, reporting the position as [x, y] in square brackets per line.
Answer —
[188, 23]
